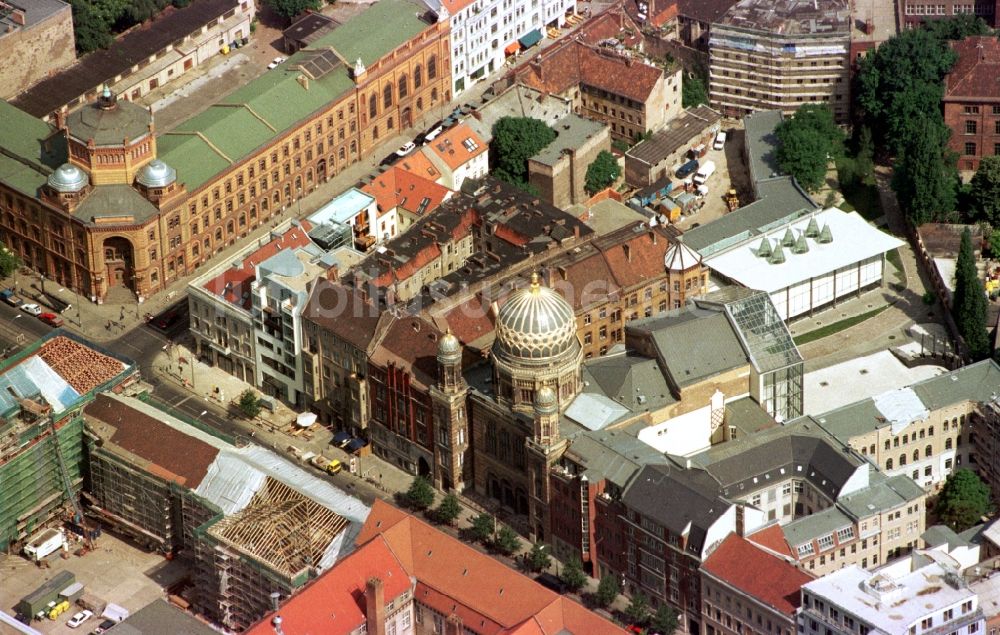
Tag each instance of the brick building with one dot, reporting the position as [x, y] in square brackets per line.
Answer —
[559, 170]
[36, 40]
[972, 101]
[914, 12]
[139, 214]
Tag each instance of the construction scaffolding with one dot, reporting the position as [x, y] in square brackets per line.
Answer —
[274, 544]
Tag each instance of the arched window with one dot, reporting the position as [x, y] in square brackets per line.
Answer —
[374, 133]
[434, 95]
[902, 460]
[928, 451]
[387, 96]
[432, 67]
[888, 464]
[403, 87]
[417, 77]
[916, 455]
[947, 444]
[373, 105]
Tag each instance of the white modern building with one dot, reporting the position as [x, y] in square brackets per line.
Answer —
[484, 32]
[921, 594]
[458, 153]
[359, 211]
[808, 262]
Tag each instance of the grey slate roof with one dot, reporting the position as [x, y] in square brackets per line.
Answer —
[822, 523]
[160, 617]
[762, 143]
[748, 416]
[675, 136]
[674, 496]
[694, 343]
[572, 131]
[115, 200]
[634, 381]
[944, 535]
[612, 455]
[883, 493]
[109, 127]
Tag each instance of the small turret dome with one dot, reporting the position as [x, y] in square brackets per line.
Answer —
[546, 401]
[68, 178]
[449, 348]
[156, 173]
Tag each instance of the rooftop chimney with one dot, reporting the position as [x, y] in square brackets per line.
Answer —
[375, 606]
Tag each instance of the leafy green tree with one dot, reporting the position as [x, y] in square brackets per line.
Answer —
[572, 574]
[507, 541]
[448, 509]
[482, 528]
[93, 21]
[638, 609]
[969, 301]
[607, 590]
[809, 140]
[602, 172]
[901, 77]
[420, 496]
[538, 558]
[9, 262]
[984, 191]
[925, 174]
[289, 9]
[958, 27]
[694, 92]
[864, 158]
[515, 140]
[249, 403]
[664, 621]
[963, 500]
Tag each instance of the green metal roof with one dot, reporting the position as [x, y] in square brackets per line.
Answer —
[24, 162]
[376, 31]
[247, 119]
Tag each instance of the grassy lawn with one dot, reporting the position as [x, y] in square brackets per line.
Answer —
[836, 327]
[863, 199]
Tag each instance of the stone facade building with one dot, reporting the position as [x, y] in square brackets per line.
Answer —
[114, 218]
[36, 39]
[559, 170]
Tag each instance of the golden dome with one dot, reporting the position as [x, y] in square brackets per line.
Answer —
[449, 348]
[535, 323]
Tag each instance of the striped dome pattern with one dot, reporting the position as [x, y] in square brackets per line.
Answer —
[535, 323]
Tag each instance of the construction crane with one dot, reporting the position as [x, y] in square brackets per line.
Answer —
[67, 484]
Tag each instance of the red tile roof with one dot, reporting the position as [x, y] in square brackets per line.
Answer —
[977, 72]
[773, 538]
[173, 455]
[570, 63]
[490, 597]
[233, 284]
[468, 320]
[83, 368]
[334, 603]
[760, 575]
[611, 24]
[457, 146]
[410, 343]
[419, 164]
[635, 257]
[398, 187]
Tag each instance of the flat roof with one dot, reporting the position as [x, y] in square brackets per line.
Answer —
[572, 131]
[841, 384]
[854, 240]
[343, 208]
[34, 12]
[762, 143]
[791, 17]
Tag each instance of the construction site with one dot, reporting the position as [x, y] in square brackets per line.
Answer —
[251, 526]
[42, 390]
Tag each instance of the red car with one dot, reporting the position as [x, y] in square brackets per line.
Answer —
[51, 319]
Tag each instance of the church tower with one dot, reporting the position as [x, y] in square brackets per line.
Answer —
[451, 424]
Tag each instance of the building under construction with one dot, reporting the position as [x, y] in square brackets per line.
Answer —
[42, 390]
[252, 523]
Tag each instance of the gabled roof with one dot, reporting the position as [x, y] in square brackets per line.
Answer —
[376, 31]
[407, 190]
[457, 146]
[490, 597]
[419, 164]
[25, 162]
[343, 311]
[341, 591]
[977, 72]
[410, 343]
[758, 574]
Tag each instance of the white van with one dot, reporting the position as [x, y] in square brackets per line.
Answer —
[706, 170]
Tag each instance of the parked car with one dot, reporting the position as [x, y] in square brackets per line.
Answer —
[79, 618]
[720, 141]
[432, 132]
[405, 149]
[687, 168]
[104, 626]
[166, 320]
[275, 62]
[550, 581]
[31, 309]
[705, 171]
[13, 300]
[51, 319]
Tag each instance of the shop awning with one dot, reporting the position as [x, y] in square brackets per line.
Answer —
[512, 48]
[531, 38]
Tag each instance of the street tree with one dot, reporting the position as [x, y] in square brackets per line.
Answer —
[249, 403]
[602, 172]
[9, 262]
[507, 541]
[638, 609]
[515, 140]
[925, 175]
[538, 558]
[289, 9]
[482, 528]
[664, 620]
[607, 590]
[420, 496]
[984, 191]
[809, 140]
[572, 574]
[963, 500]
[448, 509]
[969, 301]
